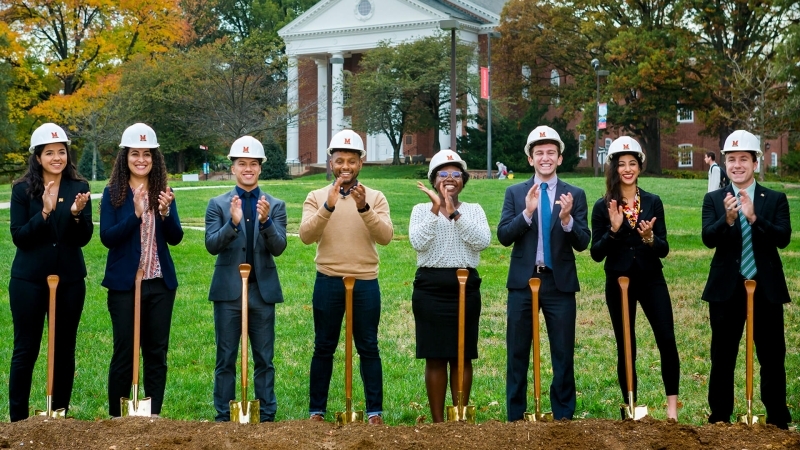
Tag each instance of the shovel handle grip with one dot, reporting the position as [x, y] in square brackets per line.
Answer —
[534, 284]
[462, 275]
[750, 288]
[137, 320]
[52, 283]
[624, 282]
[349, 283]
[244, 271]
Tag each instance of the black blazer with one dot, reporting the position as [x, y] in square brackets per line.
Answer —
[625, 249]
[771, 230]
[52, 246]
[513, 229]
[120, 233]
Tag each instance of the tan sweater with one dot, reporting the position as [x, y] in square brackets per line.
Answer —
[346, 239]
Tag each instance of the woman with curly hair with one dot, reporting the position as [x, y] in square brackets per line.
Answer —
[138, 220]
[50, 223]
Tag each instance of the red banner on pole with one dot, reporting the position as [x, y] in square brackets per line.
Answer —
[485, 83]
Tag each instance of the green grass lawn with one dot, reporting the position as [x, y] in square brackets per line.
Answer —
[192, 350]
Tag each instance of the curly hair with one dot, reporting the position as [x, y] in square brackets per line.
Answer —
[35, 176]
[118, 184]
[434, 173]
[613, 189]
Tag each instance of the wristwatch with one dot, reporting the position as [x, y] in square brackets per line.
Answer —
[454, 215]
[364, 209]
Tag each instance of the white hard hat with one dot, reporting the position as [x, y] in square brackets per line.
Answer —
[247, 147]
[347, 140]
[47, 134]
[742, 141]
[444, 157]
[139, 135]
[625, 144]
[543, 133]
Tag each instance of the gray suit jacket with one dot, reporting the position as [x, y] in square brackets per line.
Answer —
[229, 246]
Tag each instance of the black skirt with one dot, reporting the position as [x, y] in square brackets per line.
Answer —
[435, 306]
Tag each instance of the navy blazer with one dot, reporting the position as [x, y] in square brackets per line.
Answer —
[513, 229]
[52, 246]
[120, 231]
[231, 249]
[771, 230]
[626, 249]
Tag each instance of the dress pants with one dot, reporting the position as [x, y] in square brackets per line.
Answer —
[559, 312]
[329, 305]
[261, 337]
[29, 302]
[727, 326]
[156, 319]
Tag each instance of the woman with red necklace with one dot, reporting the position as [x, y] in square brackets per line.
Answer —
[629, 232]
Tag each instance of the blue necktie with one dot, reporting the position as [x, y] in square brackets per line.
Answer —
[748, 265]
[249, 227]
[545, 205]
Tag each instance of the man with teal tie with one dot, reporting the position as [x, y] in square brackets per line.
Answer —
[545, 219]
[746, 224]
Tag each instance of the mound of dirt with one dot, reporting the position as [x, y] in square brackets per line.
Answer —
[143, 433]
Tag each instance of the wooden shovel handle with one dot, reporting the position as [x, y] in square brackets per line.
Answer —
[349, 283]
[462, 275]
[534, 284]
[137, 321]
[624, 282]
[750, 287]
[52, 283]
[244, 271]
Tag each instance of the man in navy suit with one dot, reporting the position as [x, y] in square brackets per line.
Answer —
[746, 223]
[544, 252]
[245, 225]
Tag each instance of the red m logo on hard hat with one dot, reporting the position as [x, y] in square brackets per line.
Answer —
[735, 144]
[54, 134]
[542, 134]
[347, 141]
[449, 157]
[246, 150]
[626, 146]
[142, 138]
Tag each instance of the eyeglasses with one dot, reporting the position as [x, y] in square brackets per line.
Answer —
[454, 174]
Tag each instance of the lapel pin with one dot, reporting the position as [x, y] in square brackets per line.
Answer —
[61, 200]
[558, 202]
[762, 194]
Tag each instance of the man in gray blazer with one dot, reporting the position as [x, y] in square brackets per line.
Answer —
[245, 225]
[545, 253]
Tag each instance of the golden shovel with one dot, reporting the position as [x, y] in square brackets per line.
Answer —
[348, 416]
[245, 411]
[537, 415]
[750, 418]
[631, 410]
[461, 412]
[52, 283]
[136, 406]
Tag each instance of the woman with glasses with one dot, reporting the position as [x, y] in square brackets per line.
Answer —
[447, 234]
[629, 232]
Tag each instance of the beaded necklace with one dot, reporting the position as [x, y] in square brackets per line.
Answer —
[632, 211]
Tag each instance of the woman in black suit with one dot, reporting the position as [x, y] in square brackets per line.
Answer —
[49, 236]
[629, 232]
[138, 222]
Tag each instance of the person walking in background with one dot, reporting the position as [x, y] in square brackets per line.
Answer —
[629, 232]
[138, 221]
[51, 221]
[714, 171]
[245, 225]
[346, 220]
[447, 234]
[746, 224]
[544, 218]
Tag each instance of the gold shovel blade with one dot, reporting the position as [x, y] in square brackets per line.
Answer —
[752, 419]
[538, 415]
[60, 413]
[637, 413]
[343, 418]
[246, 412]
[141, 407]
[461, 413]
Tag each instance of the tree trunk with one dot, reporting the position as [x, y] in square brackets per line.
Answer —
[94, 161]
[179, 161]
[651, 137]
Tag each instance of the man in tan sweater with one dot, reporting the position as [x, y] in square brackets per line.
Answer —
[346, 220]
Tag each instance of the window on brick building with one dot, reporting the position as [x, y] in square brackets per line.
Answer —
[773, 159]
[409, 139]
[685, 155]
[685, 115]
[526, 73]
[582, 146]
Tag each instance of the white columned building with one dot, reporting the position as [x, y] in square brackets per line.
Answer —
[328, 40]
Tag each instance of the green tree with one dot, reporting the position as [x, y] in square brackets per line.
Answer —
[8, 140]
[275, 167]
[245, 18]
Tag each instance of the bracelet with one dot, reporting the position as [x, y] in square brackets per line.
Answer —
[162, 214]
[47, 213]
[649, 241]
[454, 215]
[329, 208]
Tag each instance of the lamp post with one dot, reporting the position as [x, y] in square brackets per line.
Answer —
[452, 25]
[489, 36]
[600, 73]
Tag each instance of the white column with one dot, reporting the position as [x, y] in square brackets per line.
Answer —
[292, 125]
[337, 93]
[472, 101]
[322, 109]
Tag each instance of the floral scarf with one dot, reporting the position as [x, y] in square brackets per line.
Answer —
[632, 211]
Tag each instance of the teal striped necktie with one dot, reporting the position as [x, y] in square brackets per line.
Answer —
[748, 265]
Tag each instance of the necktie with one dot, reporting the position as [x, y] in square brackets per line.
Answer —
[545, 205]
[748, 264]
[247, 205]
